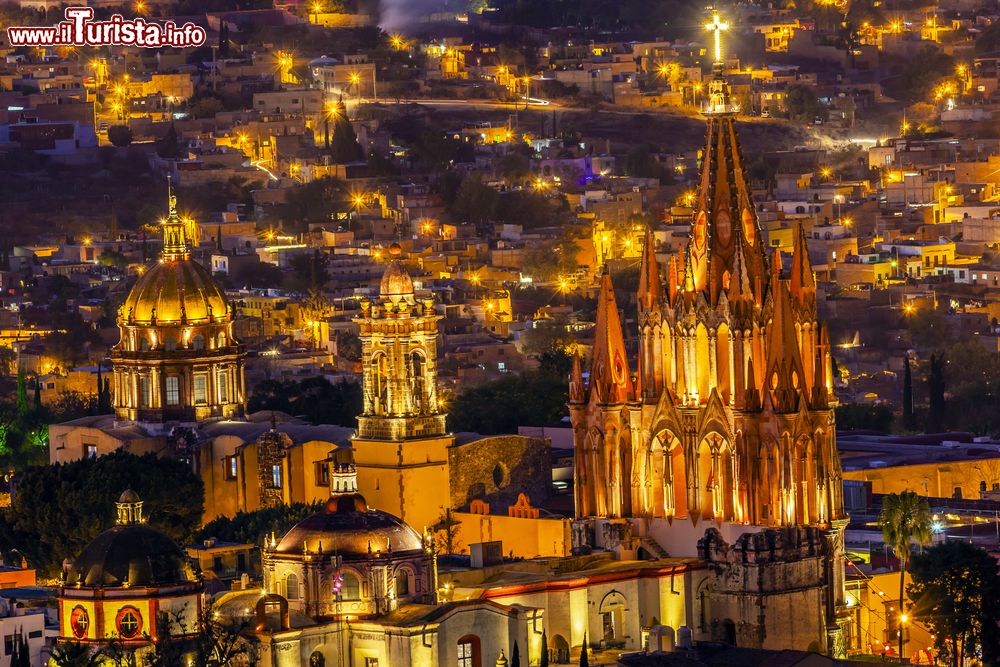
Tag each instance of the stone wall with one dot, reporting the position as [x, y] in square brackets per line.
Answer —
[496, 468]
[768, 590]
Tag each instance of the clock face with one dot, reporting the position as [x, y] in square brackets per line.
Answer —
[79, 622]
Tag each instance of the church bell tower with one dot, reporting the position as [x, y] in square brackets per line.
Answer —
[401, 447]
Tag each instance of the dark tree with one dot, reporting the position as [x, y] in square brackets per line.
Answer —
[120, 135]
[544, 661]
[801, 103]
[500, 406]
[956, 593]
[56, 510]
[515, 655]
[344, 146]
[22, 394]
[908, 421]
[858, 416]
[75, 654]
[20, 655]
[935, 390]
[315, 399]
[316, 201]
[254, 527]
[169, 147]
[584, 660]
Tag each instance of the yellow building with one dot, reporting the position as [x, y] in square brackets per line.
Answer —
[128, 582]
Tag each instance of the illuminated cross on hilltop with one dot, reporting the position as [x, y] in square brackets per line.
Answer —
[719, 102]
[717, 26]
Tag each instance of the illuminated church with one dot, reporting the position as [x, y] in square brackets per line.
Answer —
[176, 359]
[722, 443]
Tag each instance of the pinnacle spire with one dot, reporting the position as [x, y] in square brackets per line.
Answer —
[785, 375]
[803, 280]
[673, 278]
[175, 242]
[609, 375]
[650, 287]
[576, 389]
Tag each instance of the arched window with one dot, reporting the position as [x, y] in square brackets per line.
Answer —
[291, 587]
[469, 653]
[220, 340]
[351, 587]
[198, 342]
[170, 344]
[402, 582]
[128, 622]
[380, 383]
[143, 344]
[418, 366]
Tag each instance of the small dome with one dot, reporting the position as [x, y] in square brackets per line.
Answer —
[134, 555]
[347, 527]
[166, 286]
[128, 496]
[396, 282]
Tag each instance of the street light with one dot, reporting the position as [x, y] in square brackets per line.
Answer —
[902, 621]
[356, 82]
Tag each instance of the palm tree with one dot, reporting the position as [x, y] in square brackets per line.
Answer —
[905, 518]
[75, 654]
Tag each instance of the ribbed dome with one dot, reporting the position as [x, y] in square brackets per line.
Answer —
[168, 284]
[348, 528]
[131, 555]
[396, 281]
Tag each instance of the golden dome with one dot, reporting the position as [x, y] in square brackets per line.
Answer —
[349, 529]
[172, 291]
[396, 282]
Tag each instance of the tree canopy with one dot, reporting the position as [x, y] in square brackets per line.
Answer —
[533, 399]
[253, 527]
[316, 399]
[56, 510]
[956, 593]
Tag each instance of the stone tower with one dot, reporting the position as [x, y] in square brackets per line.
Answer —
[399, 354]
[729, 421]
[401, 448]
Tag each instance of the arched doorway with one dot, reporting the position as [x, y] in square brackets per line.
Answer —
[669, 476]
[707, 478]
[612, 612]
[558, 650]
